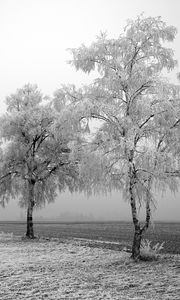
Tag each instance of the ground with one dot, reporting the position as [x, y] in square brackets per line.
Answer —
[76, 269]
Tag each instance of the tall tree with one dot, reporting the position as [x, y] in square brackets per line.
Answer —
[37, 154]
[137, 111]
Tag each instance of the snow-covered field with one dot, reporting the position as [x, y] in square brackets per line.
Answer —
[70, 269]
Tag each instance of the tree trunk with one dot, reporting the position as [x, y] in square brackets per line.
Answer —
[30, 230]
[136, 243]
[137, 228]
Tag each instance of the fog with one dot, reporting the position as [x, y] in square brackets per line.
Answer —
[34, 37]
[78, 207]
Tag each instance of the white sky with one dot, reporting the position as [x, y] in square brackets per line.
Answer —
[35, 34]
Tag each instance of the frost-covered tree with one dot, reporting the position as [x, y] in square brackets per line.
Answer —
[137, 110]
[37, 156]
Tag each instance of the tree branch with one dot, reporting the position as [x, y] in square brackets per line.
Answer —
[146, 121]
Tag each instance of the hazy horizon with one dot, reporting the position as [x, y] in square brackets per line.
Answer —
[77, 207]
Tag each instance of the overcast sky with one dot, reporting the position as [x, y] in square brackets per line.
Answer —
[35, 35]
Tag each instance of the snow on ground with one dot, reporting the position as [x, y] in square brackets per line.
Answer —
[70, 269]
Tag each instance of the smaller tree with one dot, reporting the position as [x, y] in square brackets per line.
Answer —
[37, 158]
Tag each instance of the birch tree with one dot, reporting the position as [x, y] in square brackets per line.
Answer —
[37, 158]
[138, 111]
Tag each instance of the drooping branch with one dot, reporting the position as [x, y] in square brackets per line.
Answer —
[52, 169]
[109, 120]
[142, 88]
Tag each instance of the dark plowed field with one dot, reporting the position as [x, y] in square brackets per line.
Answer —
[121, 232]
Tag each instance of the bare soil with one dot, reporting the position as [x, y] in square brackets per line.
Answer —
[120, 232]
[80, 269]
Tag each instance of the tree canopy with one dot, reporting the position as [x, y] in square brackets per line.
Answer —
[138, 110]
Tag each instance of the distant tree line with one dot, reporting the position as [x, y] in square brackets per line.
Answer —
[47, 144]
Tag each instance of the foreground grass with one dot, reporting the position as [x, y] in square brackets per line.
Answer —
[71, 269]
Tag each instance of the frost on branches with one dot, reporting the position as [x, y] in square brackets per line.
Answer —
[135, 148]
[37, 157]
